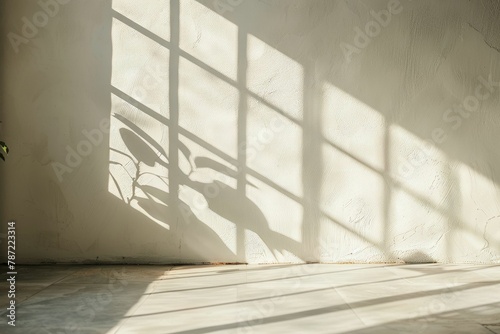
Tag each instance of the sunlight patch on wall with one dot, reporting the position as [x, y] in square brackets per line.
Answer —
[274, 147]
[209, 37]
[208, 107]
[143, 75]
[352, 195]
[417, 224]
[199, 163]
[207, 188]
[138, 161]
[154, 17]
[340, 241]
[275, 78]
[200, 212]
[256, 250]
[353, 190]
[420, 166]
[273, 210]
[353, 126]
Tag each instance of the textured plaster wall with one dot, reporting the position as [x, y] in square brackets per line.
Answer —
[251, 131]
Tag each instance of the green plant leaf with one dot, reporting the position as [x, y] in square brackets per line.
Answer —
[4, 147]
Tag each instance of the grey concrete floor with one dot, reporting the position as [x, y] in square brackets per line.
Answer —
[313, 298]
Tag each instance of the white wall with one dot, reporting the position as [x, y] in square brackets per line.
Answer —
[252, 131]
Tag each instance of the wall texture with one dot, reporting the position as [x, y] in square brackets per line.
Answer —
[251, 131]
